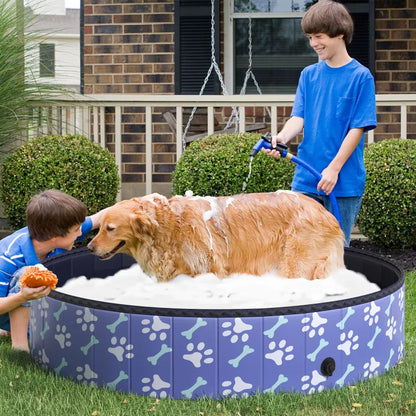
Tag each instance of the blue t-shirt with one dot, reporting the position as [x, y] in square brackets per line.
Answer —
[16, 251]
[333, 101]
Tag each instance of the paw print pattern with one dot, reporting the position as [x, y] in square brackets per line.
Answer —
[313, 384]
[370, 369]
[349, 342]
[120, 349]
[43, 306]
[314, 326]
[391, 324]
[198, 355]
[86, 319]
[155, 387]
[63, 337]
[233, 389]
[400, 350]
[42, 357]
[155, 328]
[280, 352]
[237, 331]
[371, 314]
[401, 299]
[86, 375]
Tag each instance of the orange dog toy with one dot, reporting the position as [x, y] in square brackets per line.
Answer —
[34, 277]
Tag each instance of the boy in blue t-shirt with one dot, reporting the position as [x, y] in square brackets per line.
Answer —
[335, 106]
[55, 220]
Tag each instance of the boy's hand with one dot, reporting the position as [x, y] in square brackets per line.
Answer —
[328, 181]
[31, 293]
[272, 152]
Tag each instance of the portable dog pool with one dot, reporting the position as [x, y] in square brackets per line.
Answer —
[184, 353]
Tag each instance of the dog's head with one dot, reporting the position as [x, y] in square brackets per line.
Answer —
[124, 228]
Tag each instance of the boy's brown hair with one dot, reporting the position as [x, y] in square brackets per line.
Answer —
[52, 213]
[329, 17]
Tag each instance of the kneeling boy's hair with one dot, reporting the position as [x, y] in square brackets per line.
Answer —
[52, 213]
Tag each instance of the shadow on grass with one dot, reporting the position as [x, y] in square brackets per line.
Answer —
[19, 358]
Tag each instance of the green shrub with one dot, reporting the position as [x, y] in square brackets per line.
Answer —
[219, 165]
[72, 164]
[388, 212]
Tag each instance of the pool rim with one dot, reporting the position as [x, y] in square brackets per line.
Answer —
[227, 313]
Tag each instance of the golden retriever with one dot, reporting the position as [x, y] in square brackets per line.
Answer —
[282, 231]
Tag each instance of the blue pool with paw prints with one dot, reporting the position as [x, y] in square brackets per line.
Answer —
[188, 353]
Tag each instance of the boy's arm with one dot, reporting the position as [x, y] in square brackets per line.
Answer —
[12, 302]
[96, 218]
[291, 129]
[331, 172]
[91, 222]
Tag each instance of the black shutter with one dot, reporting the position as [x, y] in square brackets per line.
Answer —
[362, 47]
[193, 46]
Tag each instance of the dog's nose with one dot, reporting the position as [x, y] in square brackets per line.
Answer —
[91, 247]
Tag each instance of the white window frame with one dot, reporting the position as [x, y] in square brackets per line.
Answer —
[229, 17]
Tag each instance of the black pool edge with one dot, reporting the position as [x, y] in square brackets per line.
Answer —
[387, 275]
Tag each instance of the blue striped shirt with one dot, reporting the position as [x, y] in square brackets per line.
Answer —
[16, 251]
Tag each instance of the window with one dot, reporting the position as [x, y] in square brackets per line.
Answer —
[46, 60]
[279, 48]
[362, 46]
[193, 46]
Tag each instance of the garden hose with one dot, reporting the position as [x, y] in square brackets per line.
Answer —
[266, 142]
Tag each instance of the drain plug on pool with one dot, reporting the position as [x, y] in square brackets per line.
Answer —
[328, 367]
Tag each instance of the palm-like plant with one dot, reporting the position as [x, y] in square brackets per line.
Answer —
[18, 86]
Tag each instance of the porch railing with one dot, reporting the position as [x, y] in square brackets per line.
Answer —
[80, 114]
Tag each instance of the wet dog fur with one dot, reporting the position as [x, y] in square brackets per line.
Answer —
[247, 233]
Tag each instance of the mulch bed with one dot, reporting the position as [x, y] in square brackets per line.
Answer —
[403, 258]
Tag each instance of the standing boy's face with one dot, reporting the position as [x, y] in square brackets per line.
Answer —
[325, 46]
[67, 241]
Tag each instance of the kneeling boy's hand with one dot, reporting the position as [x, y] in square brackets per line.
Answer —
[31, 293]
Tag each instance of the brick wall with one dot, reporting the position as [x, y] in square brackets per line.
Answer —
[395, 61]
[129, 48]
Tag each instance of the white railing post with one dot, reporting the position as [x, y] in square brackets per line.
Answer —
[210, 120]
[273, 121]
[148, 149]
[370, 137]
[403, 121]
[242, 117]
[95, 136]
[179, 132]
[117, 142]
[102, 126]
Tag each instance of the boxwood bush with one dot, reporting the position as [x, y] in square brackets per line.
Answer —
[72, 164]
[388, 212]
[219, 165]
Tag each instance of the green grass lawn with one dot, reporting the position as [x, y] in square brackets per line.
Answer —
[27, 390]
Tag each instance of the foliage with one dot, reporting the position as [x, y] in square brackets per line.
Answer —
[388, 212]
[18, 86]
[219, 165]
[72, 164]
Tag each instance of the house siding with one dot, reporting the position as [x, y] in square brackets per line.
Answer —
[129, 48]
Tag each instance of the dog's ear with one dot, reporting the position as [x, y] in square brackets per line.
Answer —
[142, 224]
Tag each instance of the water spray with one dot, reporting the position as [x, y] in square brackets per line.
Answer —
[266, 142]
